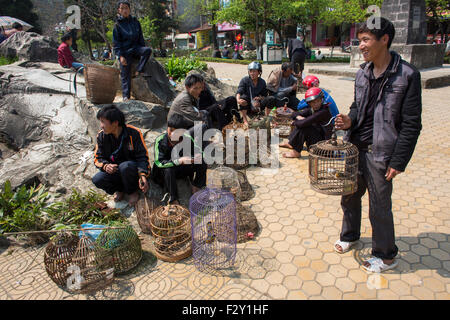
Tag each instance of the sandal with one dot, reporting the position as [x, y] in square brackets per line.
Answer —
[345, 245]
[377, 265]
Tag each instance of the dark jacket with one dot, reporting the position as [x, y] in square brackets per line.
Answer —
[127, 34]
[294, 45]
[397, 117]
[187, 106]
[319, 119]
[248, 91]
[133, 149]
[206, 98]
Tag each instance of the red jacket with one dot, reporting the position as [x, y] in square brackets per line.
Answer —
[65, 57]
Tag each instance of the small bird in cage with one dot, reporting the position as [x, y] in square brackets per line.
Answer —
[210, 231]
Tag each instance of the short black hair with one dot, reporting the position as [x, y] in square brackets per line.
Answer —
[66, 37]
[177, 121]
[17, 25]
[124, 2]
[386, 27]
[111, 113]
[286, 65]
[193, 79]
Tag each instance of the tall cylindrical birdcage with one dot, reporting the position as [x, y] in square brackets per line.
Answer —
[225, 178]
[171, 228]
[144, 210]
[236, 133]
[333, 167]
[214, 231]
[283, 121]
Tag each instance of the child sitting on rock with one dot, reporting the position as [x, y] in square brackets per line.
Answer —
[65, 57]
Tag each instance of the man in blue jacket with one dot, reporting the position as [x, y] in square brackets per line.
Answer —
[128, 43]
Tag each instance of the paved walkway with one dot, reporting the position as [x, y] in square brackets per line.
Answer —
[293, 256]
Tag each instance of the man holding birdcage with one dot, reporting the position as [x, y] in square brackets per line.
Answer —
[384, 123]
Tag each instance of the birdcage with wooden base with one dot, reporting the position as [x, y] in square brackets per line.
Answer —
[333, 166]
[225, 178]
[125, 247]
[144, 210]
[283, 121]
[214, 231]
[171, 228]
[78, 264]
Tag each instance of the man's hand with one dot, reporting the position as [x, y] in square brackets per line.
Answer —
[185, 160]
[242, 102]
[294, 87]
[299, 118]
[198, 158]
[342, 122]
[391, 173]
[143, 184]
[111, 168]
[123, 61]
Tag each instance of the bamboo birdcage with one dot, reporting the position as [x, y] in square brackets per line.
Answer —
[125, 247]
[333, 167]
[101, 83]
[225, 178]
[247, 191]
[240, 139]
[170, 226]
[78, 264]
[144, 210]
[283, 121]
[214, 231]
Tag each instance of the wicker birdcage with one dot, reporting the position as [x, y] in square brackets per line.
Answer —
[171, 229]
[225, 178]
[333, 167]
[237, 132]
[247, 191]
[58, 256]
[283, 121]
[101, 83]
[214, 231]
[144, 210]
[78, 264]
[125, 247]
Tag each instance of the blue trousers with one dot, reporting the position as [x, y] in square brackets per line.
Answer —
[125, 71]
[123, 180]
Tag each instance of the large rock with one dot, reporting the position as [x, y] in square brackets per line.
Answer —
[219, 89]
[30, 46]
[140, 114]
[153, 89]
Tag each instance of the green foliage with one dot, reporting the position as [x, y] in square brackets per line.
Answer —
[82, 208]
[23, 209]
[107, 62]
[6, 60]
[179, 67]
[347, 11]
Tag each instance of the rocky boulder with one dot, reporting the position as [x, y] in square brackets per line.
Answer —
[218, 88]
[30, 46]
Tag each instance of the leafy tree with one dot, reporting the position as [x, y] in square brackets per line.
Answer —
[436, 9]
[208, 9]
[23, 10]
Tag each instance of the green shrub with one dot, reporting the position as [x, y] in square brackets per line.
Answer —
[23, 209]
[107, 62]
[447, 59]
[6, 60]
[84, 208]
[179, 67]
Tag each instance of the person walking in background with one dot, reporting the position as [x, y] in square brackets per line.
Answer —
[384, 123]
[297, 54]
[128, 43]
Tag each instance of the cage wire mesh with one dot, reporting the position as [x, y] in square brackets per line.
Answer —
[77, 264]
[225, 178]
[333, 167]
[144, 210]
[214, 231]
[171, 229]
[125, 247]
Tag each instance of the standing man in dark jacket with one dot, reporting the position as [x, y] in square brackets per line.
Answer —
[121, 156]
[128, 43]
[384, 123]
[297, 54]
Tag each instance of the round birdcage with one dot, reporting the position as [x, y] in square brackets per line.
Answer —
[225, 178]
[283, 121]
[125, 247]
[171, 229]
[144, 210]
[58, 256]
[214, 231]
[333, 167]
[77, 264]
